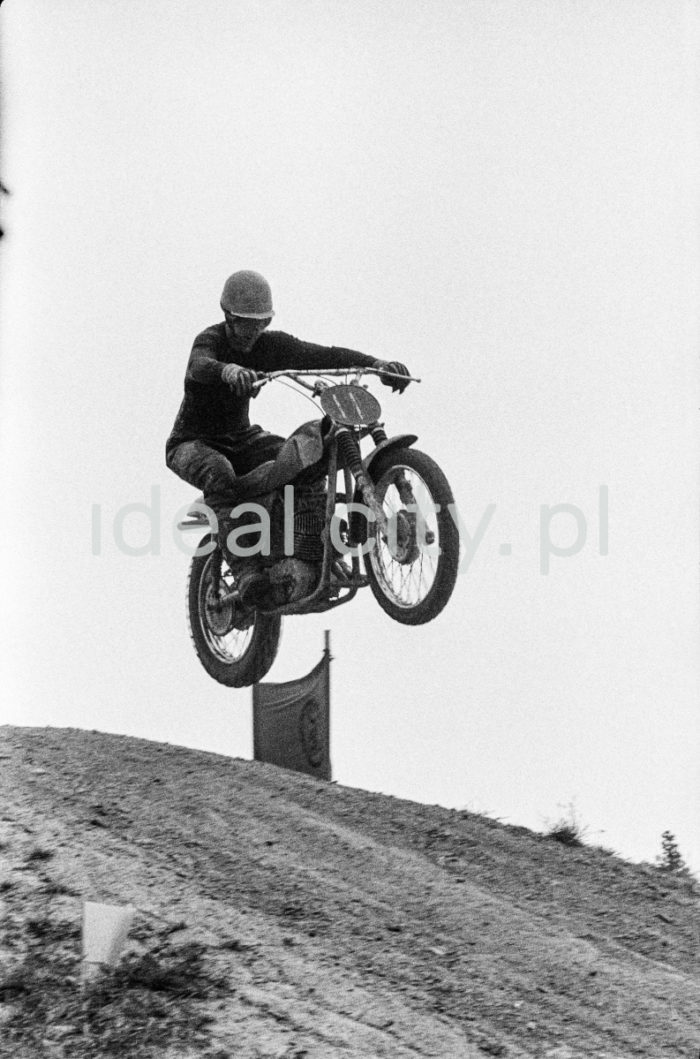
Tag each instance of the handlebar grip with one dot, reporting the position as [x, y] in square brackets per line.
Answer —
[260, 379]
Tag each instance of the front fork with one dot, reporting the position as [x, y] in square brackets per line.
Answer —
[349, 452]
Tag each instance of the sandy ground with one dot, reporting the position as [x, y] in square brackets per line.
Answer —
[334, 922]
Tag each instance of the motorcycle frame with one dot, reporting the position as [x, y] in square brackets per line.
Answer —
[321, 599]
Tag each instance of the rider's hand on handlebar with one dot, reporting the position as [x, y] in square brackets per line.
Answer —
[396, 368]
[241, 380]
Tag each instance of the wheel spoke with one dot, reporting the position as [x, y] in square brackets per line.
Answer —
[231, 645]
[408, 575]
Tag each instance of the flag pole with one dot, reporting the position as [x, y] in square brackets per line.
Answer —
[329, 659]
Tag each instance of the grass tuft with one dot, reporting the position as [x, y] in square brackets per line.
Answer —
[146, 1003]
[568, 829]
[564, 833]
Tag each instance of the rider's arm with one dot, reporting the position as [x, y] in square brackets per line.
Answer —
[284, 351]
[290, 352]
[204, 366]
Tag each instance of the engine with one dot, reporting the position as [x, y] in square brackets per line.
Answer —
[291, 579]
[294, 577]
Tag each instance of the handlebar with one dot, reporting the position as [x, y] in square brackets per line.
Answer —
[264, 377]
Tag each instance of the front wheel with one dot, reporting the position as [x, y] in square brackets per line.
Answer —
[412, 568]
[236, 645]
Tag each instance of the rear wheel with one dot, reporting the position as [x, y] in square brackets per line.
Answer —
[236, 645]
[412, 570]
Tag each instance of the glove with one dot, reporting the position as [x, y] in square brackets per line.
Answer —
[396, 368]
[240, 380]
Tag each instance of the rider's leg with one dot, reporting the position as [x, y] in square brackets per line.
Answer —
[246, 450]
[207, 469]
[214, 471]
[252, 447]
[249, 450]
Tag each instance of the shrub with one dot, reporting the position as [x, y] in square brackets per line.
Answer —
[670, 859]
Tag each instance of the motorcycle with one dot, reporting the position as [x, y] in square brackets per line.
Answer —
[392, 526]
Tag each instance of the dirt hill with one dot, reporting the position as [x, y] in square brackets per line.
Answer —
[282, 916]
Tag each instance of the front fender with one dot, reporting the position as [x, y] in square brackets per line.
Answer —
[399, 441]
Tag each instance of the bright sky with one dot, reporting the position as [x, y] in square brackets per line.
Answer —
[504, 196]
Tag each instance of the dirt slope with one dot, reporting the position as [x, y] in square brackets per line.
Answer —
[281, 916]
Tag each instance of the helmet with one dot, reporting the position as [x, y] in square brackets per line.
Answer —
[247, 294]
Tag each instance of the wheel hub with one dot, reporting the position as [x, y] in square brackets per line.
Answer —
[405, 548]
[220, 615]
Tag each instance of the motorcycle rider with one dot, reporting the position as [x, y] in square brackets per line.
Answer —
[213, 441]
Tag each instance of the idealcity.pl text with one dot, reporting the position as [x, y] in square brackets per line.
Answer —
[563, 529]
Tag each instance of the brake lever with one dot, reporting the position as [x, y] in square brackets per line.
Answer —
[261, 379]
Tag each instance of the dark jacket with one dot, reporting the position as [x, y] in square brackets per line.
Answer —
[209, 409]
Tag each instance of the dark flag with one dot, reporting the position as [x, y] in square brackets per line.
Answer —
[291, 722]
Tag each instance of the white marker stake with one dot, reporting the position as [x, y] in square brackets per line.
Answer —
[105, 929]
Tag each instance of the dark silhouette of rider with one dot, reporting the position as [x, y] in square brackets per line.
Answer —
[213, 442]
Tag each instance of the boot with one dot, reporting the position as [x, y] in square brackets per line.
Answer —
[246, 569]
[251, 582]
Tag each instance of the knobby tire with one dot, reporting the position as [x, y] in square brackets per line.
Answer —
[255, 660]
[446, 567]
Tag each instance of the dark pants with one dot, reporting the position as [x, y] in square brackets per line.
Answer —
[213, 465]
